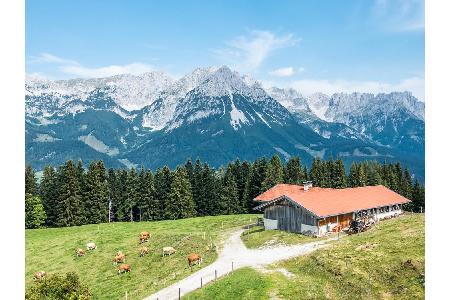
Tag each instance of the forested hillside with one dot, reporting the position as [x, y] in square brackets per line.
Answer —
[72, 195]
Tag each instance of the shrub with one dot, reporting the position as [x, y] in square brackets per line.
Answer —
[57, 287]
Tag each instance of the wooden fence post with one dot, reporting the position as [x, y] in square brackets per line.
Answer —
[201, 282]
[215, 275]
[232, 266]
[179, 293]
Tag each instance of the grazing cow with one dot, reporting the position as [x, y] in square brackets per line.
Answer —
[123, 269]
[91, 246]
[144, 236]
[143, 251]
[119, 258]
[80, 252]
[194, 259]
[38, 276]
[168, 251]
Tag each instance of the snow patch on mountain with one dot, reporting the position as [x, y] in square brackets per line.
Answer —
[286, 155]
[45, 138]
[98, 145]
[237, 116]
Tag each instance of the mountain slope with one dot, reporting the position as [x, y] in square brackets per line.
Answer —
[214, 114]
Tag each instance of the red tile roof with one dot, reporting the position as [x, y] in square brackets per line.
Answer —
[327, 202]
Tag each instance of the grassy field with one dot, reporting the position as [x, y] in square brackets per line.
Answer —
[53, 250]
[386, 262]
[257, 237]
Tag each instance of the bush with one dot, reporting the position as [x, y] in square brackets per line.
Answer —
[57, 287]
[34, 212]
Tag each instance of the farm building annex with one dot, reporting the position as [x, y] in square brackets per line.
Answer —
[317, 211]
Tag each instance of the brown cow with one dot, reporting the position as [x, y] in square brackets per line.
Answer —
[144, 236]
[194, 259]
[38, 276]
[123, 268]
[119, 258]
[143, 251]
[80, 252]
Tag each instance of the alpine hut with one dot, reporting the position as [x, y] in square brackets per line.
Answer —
[316, 211]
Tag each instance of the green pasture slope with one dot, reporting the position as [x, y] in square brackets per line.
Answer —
[53, 250]
[386, 262]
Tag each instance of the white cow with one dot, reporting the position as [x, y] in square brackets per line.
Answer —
[91, 246]
[168, 251]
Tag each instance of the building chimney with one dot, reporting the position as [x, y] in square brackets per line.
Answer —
[307, 185]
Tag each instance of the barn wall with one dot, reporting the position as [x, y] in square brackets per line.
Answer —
[289, 217]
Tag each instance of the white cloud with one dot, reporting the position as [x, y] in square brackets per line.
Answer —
[283, 72]
[74, 68]
[400, 15]
[133, 68]
[415, 85]
[247, 53]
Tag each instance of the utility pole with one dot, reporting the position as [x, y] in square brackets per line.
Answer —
[109, 209]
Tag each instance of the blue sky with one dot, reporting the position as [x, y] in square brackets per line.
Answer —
[327, 46]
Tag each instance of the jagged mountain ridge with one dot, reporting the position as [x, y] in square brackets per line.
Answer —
[216, 110]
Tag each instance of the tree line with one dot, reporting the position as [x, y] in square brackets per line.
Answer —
[72, 195]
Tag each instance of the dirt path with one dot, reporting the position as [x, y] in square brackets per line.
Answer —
[234, 255]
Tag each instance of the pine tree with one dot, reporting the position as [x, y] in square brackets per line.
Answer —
[274, 173]
[96, 193]
[34, 212]
[30, 181]
[48, 190]
[180, 203]
[294, 173]
[70, 209]
[229, 198]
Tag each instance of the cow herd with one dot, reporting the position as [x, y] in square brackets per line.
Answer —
[144, 236]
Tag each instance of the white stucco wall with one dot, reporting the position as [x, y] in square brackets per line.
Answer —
[309, 229]
[270, 224]
[392, 213]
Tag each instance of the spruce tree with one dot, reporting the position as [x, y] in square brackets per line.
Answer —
[294, 172]
[373, 174]
[147, 201]
[316, 172]
[274, 173]
[30, 181]
[180, 203]
[229, 198]
[339, 176]
[254, 184]
[96, 193]
[353, 179]
[163, 181]
[48, 190]
[211, 187]
[406, 184]
[417, 197]
[132, 194]
[120, 197]
[70, 209]
[196, 186]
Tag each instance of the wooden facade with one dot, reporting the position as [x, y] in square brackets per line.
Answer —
[290, 216]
